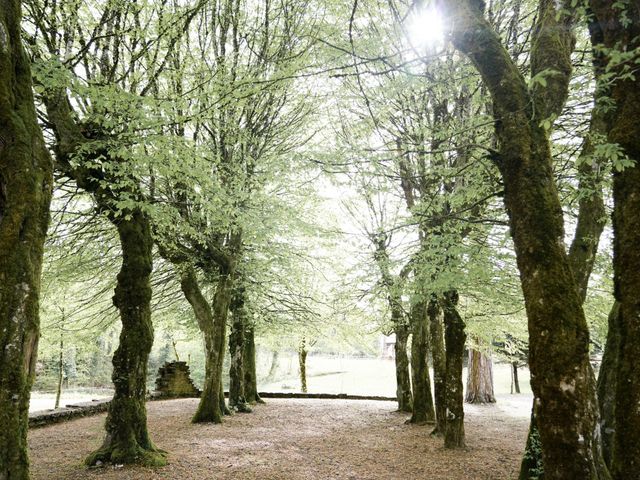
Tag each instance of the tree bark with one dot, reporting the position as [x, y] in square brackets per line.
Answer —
[562, 378]
[60, 370]
[25, 194]
[127, 439]
[607, 382]
[515, 382]
[479, 378]
[302, 364]
[618, 28]
[237, 398]
[455, 338]
[439, 365]
[400, 327]
[212, 323]
[403, 379]
[423, 410]
[584, 247]
[250, 376]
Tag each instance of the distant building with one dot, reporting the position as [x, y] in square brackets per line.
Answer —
[387, 346]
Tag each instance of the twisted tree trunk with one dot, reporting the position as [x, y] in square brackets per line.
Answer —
[127, 439]
[212, 323]
[25, 194]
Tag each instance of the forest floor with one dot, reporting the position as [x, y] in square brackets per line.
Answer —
[291, 439]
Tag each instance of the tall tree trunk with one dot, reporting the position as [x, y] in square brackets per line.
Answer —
[403, 379]
[25, 193]
[423, 410]
[250, 376]
[212, 323]
[584, 247]
[127, 439]
[439, 365]
[618, 29]
[562, 378]
[237, 399]
[515, 383]
[607, 382]
[479, 378]
[60, 369]
[302, 365]
[455, 338]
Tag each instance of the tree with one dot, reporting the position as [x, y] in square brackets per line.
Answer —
[615, 32]
[479, 378]
[558, 335]
[25, 193]
[455, 339]
[101, 128]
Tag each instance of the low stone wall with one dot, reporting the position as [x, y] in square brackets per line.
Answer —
[327, 396]
[83, 409]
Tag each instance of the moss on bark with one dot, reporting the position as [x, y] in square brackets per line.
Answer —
[250, 377]
[455, 338]
[302, 364]
[618, 28]
[607, 383]
[423, 410]
[403, 379]
[25, 194]
[562, 378]
[439, 364]
[237, 398]
[127, 439]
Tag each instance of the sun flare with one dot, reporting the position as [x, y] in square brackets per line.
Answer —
[425, 29]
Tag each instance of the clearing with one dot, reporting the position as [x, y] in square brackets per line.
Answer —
[290, 439]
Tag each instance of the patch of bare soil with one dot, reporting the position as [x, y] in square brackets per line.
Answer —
[290, 439]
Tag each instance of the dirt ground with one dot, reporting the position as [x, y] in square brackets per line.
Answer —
[293, 439]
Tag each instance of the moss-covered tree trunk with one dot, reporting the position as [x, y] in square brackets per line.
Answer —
[399, 322]
[127, 439]
[439, 365]
[607, 383]
[250, 376]
[403, 379]
[584, 247]
[423, 411]
[302, 364]
[455, 339]
[618, 28]
[213, 324]
[562, 378]
[479, 378]
[237, 398]
[25, 193]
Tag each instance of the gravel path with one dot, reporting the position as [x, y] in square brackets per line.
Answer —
[291, 439]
